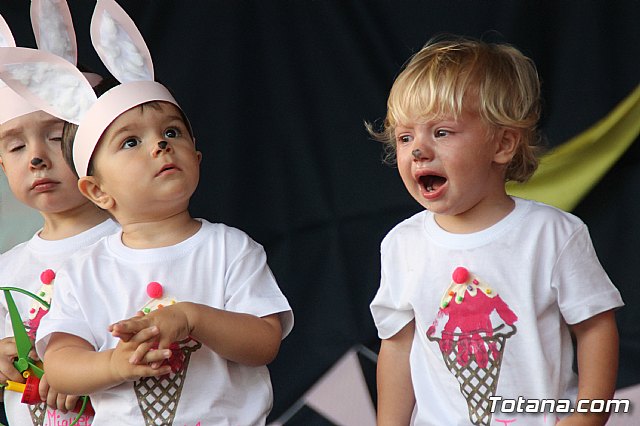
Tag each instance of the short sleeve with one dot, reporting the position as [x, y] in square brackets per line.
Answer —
[251, 287]
[583, 287]
[390, 308]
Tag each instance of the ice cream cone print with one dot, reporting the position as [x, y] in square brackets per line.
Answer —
[158, 397]
[38, 413]
[471, 345]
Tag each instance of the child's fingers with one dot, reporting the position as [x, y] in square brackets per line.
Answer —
[145, 334]
[43, 387]
[155, 358]
[131, 325]
[60, 403]
[148, 371]
[7, 354]
[70, 402]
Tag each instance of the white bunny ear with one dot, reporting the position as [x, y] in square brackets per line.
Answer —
[6, 37]
[11, 104]
[53, 28]
[119, 43]
[47, 82]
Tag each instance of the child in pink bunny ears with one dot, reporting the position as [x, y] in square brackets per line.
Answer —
[481, 292]
[173, 319]
[31, 158]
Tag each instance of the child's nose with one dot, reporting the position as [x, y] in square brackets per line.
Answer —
[163, 147]
[421, 151]
[39, 157]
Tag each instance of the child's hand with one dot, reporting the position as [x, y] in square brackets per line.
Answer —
[136, 358]
[120, 333]
[8, 353]
[171, 321]
[55, 400]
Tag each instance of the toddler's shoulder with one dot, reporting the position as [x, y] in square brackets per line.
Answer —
[539, 210]
[541, 217]
[229, 236]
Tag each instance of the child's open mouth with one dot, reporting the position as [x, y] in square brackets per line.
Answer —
[431, 183]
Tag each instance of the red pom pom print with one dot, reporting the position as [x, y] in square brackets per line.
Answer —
[154, 290]
[460, 275]
[47, 276]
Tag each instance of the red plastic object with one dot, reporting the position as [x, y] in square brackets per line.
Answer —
[32, 396]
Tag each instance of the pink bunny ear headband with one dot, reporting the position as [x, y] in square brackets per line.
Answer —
[53, 30]
[59, 88]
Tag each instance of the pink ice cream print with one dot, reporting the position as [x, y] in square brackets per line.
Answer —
[472, 340]
[38, 310]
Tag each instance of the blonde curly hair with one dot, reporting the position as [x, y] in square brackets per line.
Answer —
[449, 73]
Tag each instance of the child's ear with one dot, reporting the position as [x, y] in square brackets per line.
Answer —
[507, 144]
[90, 188]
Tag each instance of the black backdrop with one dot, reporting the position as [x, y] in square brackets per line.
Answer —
[277, 91]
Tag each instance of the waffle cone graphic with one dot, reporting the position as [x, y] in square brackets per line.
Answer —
[158, 397]
[38, 413]
[477, 372]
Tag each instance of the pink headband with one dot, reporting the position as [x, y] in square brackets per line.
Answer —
[57, 87]
[106, 109]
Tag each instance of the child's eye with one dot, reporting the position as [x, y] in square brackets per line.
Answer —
[440, 133]
[130, 143]
[172, 132]
[16, 148]
[403, 139]
[56, 137]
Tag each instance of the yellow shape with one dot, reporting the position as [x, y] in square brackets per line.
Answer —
[568, 172]
[15, 386]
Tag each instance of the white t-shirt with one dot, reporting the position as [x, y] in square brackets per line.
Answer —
[28, 266]
[501, 321]
[219, 266]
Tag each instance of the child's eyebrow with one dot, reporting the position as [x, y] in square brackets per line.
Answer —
[121, 130]
[15, 131]
[11, 133]
[175, 118]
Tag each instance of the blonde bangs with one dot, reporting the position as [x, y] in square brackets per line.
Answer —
[430, 87]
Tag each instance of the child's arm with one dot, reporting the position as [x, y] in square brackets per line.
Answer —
[74, 367]
[597, 351]
[55, 400]
[242, 338]
[396, 398]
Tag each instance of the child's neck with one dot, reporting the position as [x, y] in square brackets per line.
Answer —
[163, 232]
[477, 219]
[58, 226]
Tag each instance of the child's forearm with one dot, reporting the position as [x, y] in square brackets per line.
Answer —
[396, 397]
[597, 355]
[76, 369]
[73, 367]
[241, 338]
